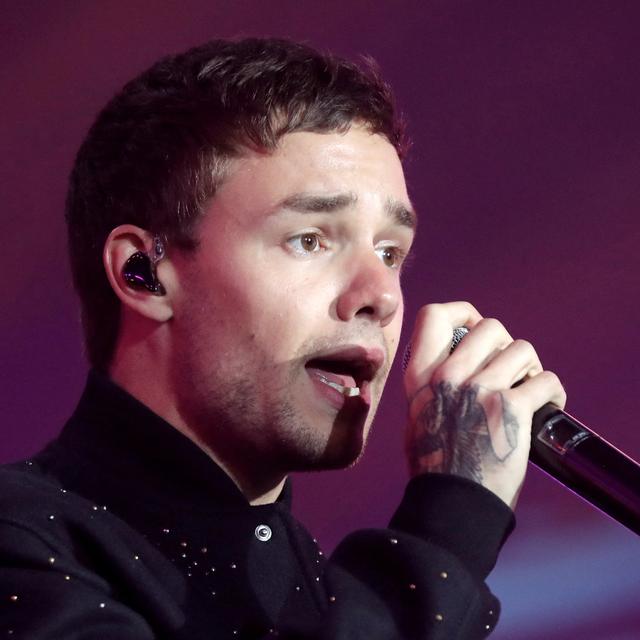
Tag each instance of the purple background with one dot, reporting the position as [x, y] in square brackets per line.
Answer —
[525, 118]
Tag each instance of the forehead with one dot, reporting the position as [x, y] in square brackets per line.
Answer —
[357, 162]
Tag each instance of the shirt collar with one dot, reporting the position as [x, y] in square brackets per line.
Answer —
[120, 443]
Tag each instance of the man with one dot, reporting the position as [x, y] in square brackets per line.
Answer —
[238, 220]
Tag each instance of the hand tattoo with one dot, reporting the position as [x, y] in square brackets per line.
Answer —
[452, 435]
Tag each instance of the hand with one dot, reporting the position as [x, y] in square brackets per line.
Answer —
[464, 416]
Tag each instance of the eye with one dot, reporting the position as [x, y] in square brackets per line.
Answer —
[391, 256]
[304, 243]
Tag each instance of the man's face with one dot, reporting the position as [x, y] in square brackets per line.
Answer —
[292, 299]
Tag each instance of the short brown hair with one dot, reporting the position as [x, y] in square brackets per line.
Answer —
[156, 152]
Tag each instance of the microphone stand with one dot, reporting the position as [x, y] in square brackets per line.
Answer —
[587, 465]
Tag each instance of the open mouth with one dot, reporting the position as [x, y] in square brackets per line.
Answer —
[337, 375]
[348, 371]
[347, 392]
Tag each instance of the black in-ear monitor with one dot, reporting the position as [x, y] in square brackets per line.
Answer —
[139, 271]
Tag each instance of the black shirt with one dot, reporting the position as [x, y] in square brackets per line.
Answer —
[123, 528]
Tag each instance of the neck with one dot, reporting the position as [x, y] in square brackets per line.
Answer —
[266, 497]
[131, 373]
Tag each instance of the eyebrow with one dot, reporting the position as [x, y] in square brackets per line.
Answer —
[310, 203]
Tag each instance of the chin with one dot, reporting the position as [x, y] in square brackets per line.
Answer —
[342, 447]
[327, 461]
[339, 458]
[342, 452]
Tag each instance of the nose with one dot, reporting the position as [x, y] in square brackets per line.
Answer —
[372, 291]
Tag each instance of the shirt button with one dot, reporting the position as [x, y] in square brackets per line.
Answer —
[263, 532]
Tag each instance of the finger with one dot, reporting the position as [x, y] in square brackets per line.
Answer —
[516, 361]
[483, 343]
[537, 391]
[431, 339]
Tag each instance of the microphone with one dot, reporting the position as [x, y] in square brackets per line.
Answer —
[587, 464]
[580, 459]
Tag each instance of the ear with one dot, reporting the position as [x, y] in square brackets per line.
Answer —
[123, 242]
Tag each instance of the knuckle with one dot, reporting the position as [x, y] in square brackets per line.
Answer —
[453, 371]
[446, 372]
[555, 384]
[551, 378]
[493, 401]
[525, 345]
[469, 307]
[493, 324]
[428, 311]
[527, 349]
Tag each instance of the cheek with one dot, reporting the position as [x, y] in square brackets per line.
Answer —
[394, 329]
[263, 300]
[266, 311]
[282, 316]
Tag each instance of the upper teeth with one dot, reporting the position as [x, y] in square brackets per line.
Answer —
[348, 392]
